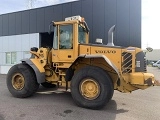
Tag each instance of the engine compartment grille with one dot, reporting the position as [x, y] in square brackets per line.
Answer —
[126, 62]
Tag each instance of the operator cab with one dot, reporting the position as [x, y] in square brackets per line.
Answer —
[68, 35]
[65, 32]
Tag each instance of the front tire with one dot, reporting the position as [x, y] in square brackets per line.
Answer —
[21, 81]
[91, 87]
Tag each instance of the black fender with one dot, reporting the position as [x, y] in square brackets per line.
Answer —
[110, 63]
[70, 71]
[38, 69]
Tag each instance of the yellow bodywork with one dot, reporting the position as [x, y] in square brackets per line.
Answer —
[56, 62]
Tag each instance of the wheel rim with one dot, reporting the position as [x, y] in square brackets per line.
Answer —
[18, 81]
[90, 89]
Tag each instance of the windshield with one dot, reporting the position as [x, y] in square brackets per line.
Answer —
[81, 34]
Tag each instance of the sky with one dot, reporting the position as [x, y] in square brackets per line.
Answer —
[7, 6]
[151, 24]
[150, 16]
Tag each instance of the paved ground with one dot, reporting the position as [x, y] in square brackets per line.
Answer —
[139, 105]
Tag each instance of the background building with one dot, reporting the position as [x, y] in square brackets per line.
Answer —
[19, 31]
[153, 56]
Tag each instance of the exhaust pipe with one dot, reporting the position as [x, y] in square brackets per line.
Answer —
[110, 36]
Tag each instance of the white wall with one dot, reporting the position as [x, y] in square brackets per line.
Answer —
[4, 69]
[20, 44]
[154, 55]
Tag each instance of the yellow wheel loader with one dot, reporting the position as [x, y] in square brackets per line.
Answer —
[90, 71]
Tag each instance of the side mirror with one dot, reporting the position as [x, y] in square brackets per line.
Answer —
[149, 49]
[50, 26]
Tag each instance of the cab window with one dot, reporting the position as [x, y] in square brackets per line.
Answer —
[55, 39]
[81, 34]
[66, 37]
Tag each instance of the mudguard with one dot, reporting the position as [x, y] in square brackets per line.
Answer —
[106, 59]
[38, 69]
[70, 72]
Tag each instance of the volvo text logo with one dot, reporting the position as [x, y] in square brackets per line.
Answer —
[106, 51]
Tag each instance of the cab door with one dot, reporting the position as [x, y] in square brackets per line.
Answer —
[63, 45]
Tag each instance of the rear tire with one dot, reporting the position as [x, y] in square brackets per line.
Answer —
[91, 87]
[21, 81]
